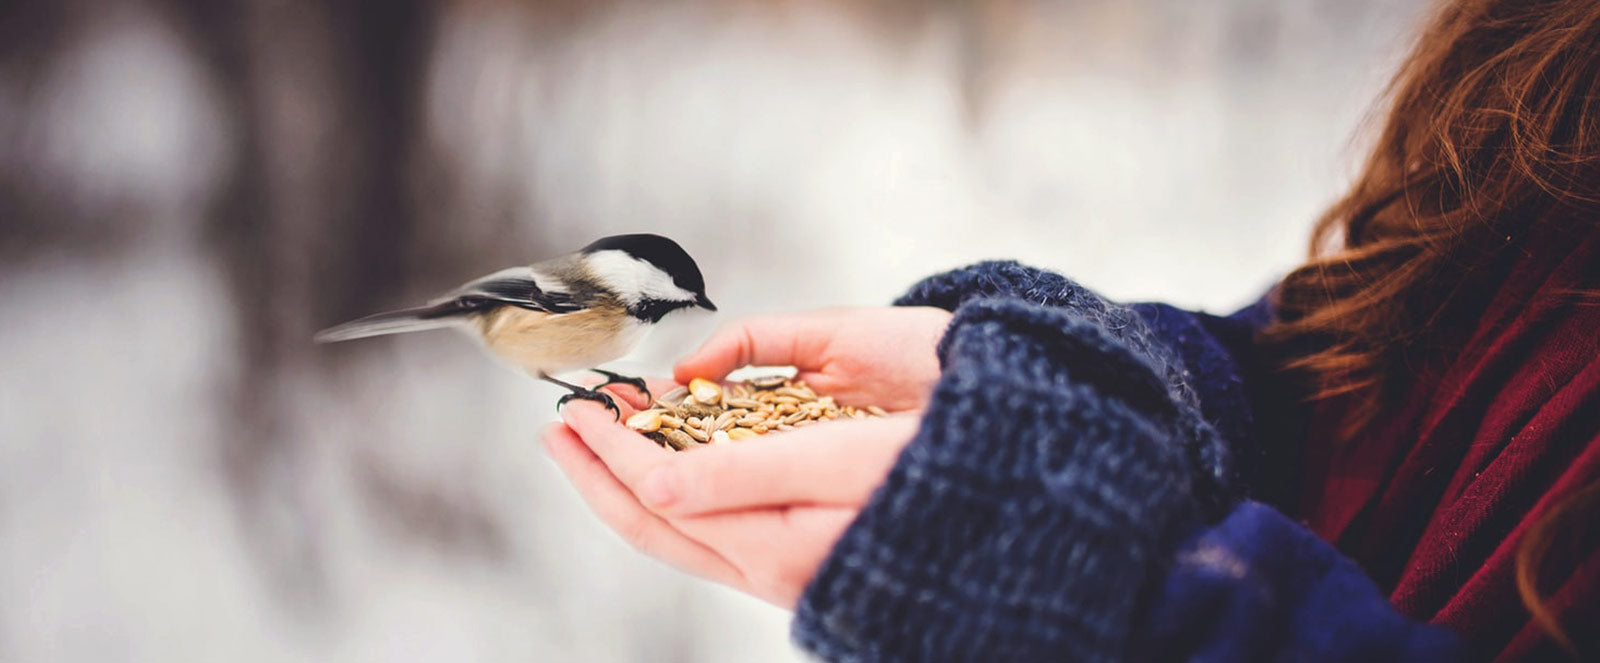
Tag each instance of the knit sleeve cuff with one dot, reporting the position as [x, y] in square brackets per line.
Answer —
[1200, 376]
[1000, 278]
[1022, 522]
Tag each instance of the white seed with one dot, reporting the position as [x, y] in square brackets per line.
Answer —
[645, 421]
[705, 391]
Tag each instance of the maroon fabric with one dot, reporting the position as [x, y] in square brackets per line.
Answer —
[1500, 427]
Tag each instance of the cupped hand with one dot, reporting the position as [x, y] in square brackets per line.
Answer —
[882, 356]
[759, 515]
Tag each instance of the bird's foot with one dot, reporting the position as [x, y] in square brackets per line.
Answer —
[615, 378]
[591, 395]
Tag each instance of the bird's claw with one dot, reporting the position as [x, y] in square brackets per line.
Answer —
[616, 378]
[591, 395]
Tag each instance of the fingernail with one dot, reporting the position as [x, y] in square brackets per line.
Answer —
[659, 488]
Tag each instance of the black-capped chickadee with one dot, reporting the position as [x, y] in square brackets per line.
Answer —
[573, 312]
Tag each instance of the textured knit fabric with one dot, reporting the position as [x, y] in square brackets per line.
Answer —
[1071, 496]
[1158, 343]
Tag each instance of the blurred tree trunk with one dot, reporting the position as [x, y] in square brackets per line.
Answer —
[313, 222]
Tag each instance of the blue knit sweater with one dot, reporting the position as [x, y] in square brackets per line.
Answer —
[1076, 493]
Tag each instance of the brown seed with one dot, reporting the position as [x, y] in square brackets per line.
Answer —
[699, 410]
[877, 411]
[678, 439]
[669, 421]
[698, 434]
[742, 434]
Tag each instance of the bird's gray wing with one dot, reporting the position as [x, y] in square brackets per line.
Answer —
[516, 289]
[510, 287]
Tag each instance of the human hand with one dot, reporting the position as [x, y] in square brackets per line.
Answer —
[758, 515]
[861, 356]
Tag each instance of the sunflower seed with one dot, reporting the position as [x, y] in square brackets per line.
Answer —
[768, 382]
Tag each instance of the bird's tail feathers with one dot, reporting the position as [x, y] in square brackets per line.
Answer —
[420, 318]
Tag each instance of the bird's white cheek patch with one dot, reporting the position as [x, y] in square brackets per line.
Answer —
[635, 279]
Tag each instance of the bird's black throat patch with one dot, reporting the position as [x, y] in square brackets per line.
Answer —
[653, 310]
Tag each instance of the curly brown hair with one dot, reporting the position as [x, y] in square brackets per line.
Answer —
[1493, 129]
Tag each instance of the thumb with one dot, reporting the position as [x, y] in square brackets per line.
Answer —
[797, 339]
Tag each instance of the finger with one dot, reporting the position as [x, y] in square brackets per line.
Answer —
[838, 463]
[620, 511]
[634, 400]
[627, 454]
[626, 398]
[796, 339]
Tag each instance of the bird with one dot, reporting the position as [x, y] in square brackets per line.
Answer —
[569, 313]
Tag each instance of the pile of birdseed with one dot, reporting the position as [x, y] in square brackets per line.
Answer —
[708, 413]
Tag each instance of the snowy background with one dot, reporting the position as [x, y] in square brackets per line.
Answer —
[189, 188]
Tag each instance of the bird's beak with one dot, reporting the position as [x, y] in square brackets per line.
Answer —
[703, 302]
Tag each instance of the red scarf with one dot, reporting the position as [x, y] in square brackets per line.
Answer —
[1434, 499]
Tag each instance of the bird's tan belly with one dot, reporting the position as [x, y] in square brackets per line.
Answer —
[541, 343]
